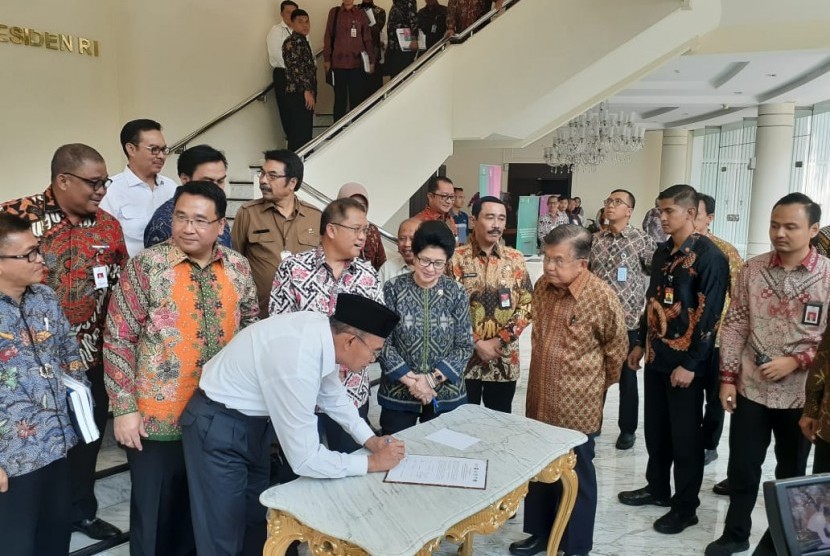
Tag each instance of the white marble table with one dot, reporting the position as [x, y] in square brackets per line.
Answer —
[364, 515]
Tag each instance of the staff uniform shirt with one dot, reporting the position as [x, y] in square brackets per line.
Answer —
[817, 393]
[132, 203]
[274, 43]
[462, 224]
[160, 227]
[167, 318]
[823, 241]
[373, 250]
[547, 223]
[489, 281]
[683, 305]
[300, 71]
[380, 20]
[434, 333]
[353, 36]
[305, 282]
[402, 15]
[623, 261]
[770, 315]
[429, 214]
[579, 345]
[73, 253]
[395, 266]
[432, 20]
[283, 367]
[262, 234]
[36, 347]
[735, 264]
[463, 13]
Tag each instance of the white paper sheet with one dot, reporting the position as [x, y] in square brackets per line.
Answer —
[457, 440]
[440, 471]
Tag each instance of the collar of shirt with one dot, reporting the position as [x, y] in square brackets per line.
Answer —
[176, 256]
[51, 206]
[625, 232]
[7, 299]
[432, 214]
[685, 248]
[133, 180]
[270, 205]
[320, 260]
[574, 288]
[809, 262]
[476, 248]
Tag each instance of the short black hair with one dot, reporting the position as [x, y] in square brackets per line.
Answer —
[298, 13]
[456, 188]
[335, 212]
[11, 224]
[434, 233]
[206, 189]
[580, 237]
[812, 209]
[432, 185]
[193, 157]
[563, 198]
[682, 194]
[708, 203]
[131, 132]
[631, 200]
[293, 164]
[68, 158]
[285, 3]
[476, 210]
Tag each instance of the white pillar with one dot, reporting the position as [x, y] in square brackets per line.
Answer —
[771, 178]
[674, 158]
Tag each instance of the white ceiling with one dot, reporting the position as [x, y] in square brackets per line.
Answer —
[693, 91]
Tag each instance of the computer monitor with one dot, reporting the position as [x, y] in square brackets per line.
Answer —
[798, 511]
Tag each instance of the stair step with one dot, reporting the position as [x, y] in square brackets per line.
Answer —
[243, 190]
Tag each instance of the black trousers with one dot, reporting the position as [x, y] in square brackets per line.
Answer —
[349, 90]
[713, 413]
[672, 424]
[34, 513]
[397, 61]
[497, 396]
[821, 457]
[160, 523]
[543, 500]
[337, 439]
[393, 421]
[629, 415]
[228, 466]
[750, 429]
[83, 457]
[278, 75]
[302, 121]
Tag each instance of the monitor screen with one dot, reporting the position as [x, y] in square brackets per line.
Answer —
[809, 506]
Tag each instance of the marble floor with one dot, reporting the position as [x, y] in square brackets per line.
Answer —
[620, 530]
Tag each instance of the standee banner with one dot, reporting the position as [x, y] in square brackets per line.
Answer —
[528, 219]
[489, 180]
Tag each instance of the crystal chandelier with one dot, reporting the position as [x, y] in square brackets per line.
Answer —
[592, 138]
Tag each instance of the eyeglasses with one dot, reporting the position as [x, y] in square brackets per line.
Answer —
[94, 184]
[198, 223]
[31, 256]
[155, 150]
[426, 263]
[270, 176]
[358, 230]
[444, 196]
[375, 352]
[558, 263]
[615, 202]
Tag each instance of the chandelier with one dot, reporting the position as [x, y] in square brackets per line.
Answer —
[593, 138]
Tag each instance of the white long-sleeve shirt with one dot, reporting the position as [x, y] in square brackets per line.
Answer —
[283, 367]
[276, 36]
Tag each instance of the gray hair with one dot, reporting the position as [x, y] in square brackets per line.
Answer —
[579, 237]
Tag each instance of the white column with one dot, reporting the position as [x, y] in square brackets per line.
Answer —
[674, 158]
[771, 178]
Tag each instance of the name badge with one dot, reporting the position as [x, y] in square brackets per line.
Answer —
[100, 275]
[668, 296]
[354, 33]
[622, 274]
[285, 254]
[504, 298]
[812, 314]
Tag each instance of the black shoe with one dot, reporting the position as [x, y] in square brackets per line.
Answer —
[709, 456]
[529, 546]
[625, 441]
[725, 546]
[721, 488]
[674, 522]
[96, 528]
[641, 497]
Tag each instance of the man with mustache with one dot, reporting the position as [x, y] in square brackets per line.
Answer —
[270, 229]
[140, 189]
[500, 291]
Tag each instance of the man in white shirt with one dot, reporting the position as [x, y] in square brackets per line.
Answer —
[140, 189]
[269, 378]
[276, 36]
[402, 261]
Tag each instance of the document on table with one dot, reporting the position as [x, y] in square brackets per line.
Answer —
[452, 439]
[440, 471]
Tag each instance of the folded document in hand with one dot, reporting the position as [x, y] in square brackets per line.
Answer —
[79, 402]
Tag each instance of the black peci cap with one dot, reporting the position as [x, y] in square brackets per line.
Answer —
[365, 314]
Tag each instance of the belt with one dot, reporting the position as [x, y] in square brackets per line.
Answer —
[231, 411]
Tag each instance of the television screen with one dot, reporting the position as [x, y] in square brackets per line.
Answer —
[799, 515]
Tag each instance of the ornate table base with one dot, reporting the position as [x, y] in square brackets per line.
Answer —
[283, 529]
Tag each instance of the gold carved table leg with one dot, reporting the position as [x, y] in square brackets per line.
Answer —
[561, 469]
[488, 520]
[283, 529]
